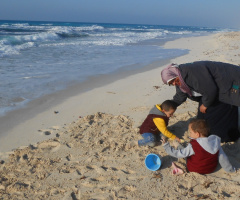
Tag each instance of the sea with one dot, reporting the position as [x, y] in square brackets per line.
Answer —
[39, 58]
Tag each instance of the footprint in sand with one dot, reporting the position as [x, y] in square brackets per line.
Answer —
[128, 171]
[45, 132]
[49, 145]
[103, 169]
[98, 169]
[49, 131]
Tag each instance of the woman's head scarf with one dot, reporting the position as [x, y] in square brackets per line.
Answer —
[171, 72]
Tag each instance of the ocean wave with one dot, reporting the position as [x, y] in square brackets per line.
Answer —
[71, 30]
[99, 34]
[21, 39]
[123, 38]
[90, 28]
[15, 37]
[72, 35]
[13, 44]
[68, 32]
[20, 25]
[7, 50]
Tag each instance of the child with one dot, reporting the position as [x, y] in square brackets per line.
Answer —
[203, 153]
[156, 123]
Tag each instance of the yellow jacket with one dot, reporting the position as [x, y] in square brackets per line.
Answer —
[161, 125]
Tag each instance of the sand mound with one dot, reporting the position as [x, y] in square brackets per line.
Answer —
[97, 158]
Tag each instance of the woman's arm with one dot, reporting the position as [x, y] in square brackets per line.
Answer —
[179, 97]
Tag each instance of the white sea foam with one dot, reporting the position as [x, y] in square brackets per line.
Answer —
[37, 37]
[7, 49]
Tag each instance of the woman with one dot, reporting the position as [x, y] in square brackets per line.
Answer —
[215, 86]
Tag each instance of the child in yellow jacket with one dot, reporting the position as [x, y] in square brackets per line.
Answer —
[156, 123]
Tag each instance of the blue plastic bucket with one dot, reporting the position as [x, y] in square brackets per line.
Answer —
[153, 162]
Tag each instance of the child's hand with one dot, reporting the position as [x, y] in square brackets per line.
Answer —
[178, 139]
[163, 140]
[182, 140]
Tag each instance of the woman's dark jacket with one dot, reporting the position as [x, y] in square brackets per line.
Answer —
[213, 80]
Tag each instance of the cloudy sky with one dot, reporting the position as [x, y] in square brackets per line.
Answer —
[208, 13]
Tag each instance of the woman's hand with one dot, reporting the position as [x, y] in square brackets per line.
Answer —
[203, 109]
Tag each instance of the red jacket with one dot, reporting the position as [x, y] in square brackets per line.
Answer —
[148, 125]
[202, 161]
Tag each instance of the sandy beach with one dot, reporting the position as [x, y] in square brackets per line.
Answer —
[81, 143]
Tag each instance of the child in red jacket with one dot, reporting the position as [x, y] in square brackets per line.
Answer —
[156, 123]
[203, 152]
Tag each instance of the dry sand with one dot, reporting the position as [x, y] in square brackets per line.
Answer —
[88, 150]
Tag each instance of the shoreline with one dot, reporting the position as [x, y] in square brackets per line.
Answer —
[51, 105]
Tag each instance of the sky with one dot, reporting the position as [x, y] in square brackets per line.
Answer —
[207, 13]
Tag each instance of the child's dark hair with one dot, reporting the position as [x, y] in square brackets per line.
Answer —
[168, 105]
[200, 126]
